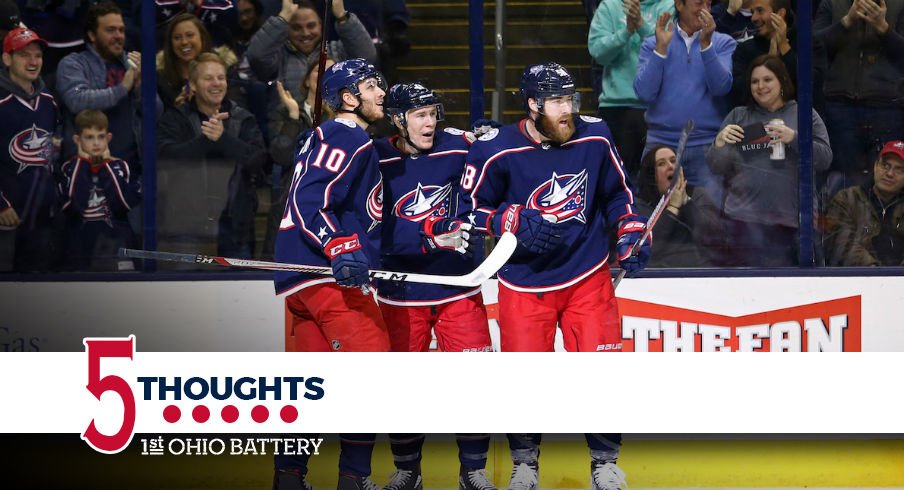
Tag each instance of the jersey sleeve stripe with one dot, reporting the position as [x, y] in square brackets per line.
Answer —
[118, 188]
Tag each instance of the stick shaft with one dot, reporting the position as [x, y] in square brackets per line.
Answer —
[663, 201]
[318, 97]
[490, 265]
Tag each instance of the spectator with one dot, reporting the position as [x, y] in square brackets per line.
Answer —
[106, 78]
[210, 132]
[866, 223]
[864, 87]
[757, 152]
[675, 245]
[250, 20]
[616, 33]
[288, 44]
[99, 191]
[289, 121]
[219, 17]
[776, 34]
[187, 39]
[28, 120]
[733, 17]
[682, 74]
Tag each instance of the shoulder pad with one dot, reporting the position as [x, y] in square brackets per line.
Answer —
[454, 131]
[590, 119]
[347, 122]
[489, 135]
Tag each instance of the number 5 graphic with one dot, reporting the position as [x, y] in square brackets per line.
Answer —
[98, 349]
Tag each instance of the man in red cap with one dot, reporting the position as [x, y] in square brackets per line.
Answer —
[866, 223]
[28, 194]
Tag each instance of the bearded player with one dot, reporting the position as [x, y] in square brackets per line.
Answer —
[556, 181]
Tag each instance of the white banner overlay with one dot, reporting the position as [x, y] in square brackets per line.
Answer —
[445, 393]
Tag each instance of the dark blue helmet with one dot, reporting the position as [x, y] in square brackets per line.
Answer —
[403, 97]
[548, 79]
[345, 75]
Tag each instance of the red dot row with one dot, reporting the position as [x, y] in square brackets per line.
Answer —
[230, 414]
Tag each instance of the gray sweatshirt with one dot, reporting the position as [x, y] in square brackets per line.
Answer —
[758, 189]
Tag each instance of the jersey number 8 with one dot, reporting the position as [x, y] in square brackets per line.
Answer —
[467, 178]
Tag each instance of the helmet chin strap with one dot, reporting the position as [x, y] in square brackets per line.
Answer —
[357, 111]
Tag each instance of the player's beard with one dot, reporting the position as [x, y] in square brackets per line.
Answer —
[552, 130]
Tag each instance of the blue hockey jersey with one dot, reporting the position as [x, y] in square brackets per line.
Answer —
[582, 182]
[416, 187]
[336, 190]
[101, 193]
[28, 122]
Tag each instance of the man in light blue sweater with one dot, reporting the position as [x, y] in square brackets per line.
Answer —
[616, 33]
[683, 73]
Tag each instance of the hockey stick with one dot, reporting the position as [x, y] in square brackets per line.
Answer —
[663, 201]
[321, 67]
[497, 258]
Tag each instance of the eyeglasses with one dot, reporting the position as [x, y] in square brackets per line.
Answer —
[885, 167]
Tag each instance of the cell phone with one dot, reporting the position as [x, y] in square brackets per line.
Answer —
[754, 132]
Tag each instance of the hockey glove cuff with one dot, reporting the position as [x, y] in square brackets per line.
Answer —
[630, 231]
[350, 266]
[451, 235]
[535, 232]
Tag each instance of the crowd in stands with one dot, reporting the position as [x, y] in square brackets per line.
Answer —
[732, 68]
[234, 91]
[233, 94]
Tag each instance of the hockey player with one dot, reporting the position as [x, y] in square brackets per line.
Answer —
[99, 190]
[422, 167]
[554, 163]
[472, 455]
[555, 180]
[333, 218]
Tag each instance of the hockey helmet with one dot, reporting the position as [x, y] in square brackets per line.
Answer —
[404, 97]
[548, 79]
[346, 75]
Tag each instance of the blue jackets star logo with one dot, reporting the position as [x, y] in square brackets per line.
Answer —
[31, 147]
[423, 202]
[564, 196]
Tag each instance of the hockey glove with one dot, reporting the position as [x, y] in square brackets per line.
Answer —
[534, 232]
[350, 266]
[630, 231]
[452, 235]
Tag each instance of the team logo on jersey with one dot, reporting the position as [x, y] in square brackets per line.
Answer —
[590, 119]
[423, 202]
[564, 196]
[375, 205]
[97, 209]
[30, 148]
